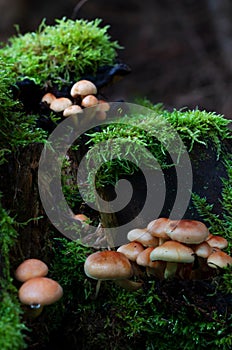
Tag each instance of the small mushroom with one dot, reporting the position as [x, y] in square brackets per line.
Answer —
[131, 250]
[152, 267]
[173, 253]
[31, 268]
[142, 236]
[219, 259]
[158, 228]
[187, 231]
[83, 88]
[48, 98]
[107, 265]
[60, 104]
[72, 111]
[40, 291]
[89, 101]
[217, 242]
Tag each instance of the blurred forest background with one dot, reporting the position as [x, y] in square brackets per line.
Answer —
[180, 52]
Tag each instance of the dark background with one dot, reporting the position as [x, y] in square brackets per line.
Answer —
[180, 52]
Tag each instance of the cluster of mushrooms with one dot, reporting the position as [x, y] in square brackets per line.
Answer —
[165, 248]
[36, 290]
[82, 95]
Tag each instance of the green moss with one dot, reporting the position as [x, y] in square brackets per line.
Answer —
[137, 133]
[11, 326]
[60, 53]
[17, 128]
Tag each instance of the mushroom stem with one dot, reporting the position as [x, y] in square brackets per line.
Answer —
[129, 285]
[170, 270]
[98, 285]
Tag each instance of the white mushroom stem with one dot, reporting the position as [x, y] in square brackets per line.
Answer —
[170, 270]
[98, 285]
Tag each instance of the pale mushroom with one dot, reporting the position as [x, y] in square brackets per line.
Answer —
[83, 88]
[152, 267]
[173, 253]
[48, 98]
[31, 268]
[72, 111]
[60, 104]
[131, 250]
[142, 236]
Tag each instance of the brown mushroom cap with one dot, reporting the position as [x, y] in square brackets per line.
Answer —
[158, 228]
[107, 265]
[89, 101]
[81, 217]
[60, 104]
[142, 236]
[202, 250]
[143, 259]
[174, 252]
[83, 88]
[187, 231]
[31, 268]
[217, 242]
[40, 290]
[219, 259]
[131, 250]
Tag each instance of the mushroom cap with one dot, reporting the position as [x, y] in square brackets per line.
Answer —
[103, 106]
[60, 104]
[40, 290]
[131, 250]
[174, 252]
[143, 259]
[72, 111]
[89, 101]
[202, 249]
[217, 242]
[219, 259]
[83, 88]
[48, 98]
[107, 265]
[158, 227]
[31, 268]
[187, 231]
[81, 217]
[142, 236]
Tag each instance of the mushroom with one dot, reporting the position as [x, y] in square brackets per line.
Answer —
[72, 111]
[60, 104]
[107, 265]
[187, 231]
[89, 101]
[83, 88]
[217, 242]
[40, 291]
[142, 236]
[152, 267]
[202, 250]
[48, 98]
[219, 259]
[157, 228]
[31, 268]
[173, 253]
[131, 250]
